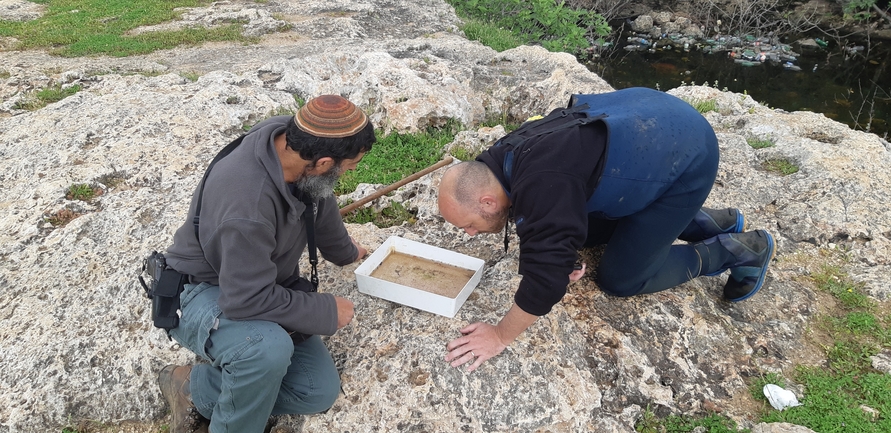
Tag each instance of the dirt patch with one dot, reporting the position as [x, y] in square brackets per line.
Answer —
[423, 274]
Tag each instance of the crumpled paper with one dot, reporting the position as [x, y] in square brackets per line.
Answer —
[780, 398]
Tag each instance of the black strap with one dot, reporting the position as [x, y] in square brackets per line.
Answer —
[309, 216]
[225, 151]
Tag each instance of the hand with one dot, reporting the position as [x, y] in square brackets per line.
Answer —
[344, 311]
[362, 251]
[479, 343]
[577, 274]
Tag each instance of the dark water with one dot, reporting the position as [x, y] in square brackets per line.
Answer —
[855, 90]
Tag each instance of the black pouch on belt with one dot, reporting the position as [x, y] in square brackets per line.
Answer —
[164, 287]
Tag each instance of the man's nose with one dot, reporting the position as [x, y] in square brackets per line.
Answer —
[471, 232]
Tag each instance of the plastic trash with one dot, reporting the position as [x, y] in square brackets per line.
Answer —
[780, 398]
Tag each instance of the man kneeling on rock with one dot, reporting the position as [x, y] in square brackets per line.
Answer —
[246, 310]
[629, 169]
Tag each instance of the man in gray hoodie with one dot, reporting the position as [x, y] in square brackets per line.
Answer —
[246, 310]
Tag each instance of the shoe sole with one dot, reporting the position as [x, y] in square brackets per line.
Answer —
[761, 277]
[740, 227]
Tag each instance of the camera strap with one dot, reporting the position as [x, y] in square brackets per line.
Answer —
[225, 151]
[310, 217]
[308, 213]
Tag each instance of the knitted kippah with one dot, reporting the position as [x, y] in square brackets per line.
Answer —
[330, 116]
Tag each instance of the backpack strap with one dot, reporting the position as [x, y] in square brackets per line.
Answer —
[225, 151]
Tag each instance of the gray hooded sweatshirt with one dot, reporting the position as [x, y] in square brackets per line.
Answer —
[252, 236]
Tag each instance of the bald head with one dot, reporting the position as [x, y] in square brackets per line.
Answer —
[471, 198]
[465, 182]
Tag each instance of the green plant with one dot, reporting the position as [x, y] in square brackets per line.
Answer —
[648, 423]
[758, 143]
[190, 75]
[503, 24]
[756, 387]
[712, 423]
[858, 9]
[82, 192]
[464, 153]
[780, 166]
[93, 27]
[41, 98]
[835, 395]
[393, 215]
[396, 156]
[834, 281]
[704, 106]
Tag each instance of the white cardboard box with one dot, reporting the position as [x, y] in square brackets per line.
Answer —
[413, 297]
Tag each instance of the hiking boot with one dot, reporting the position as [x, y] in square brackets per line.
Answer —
[711, 222]
[174, 383]
[752, 252]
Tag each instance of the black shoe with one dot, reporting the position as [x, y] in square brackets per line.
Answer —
[753, 252]
[712, 222]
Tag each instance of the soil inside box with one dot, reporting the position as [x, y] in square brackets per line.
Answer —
[423, 274]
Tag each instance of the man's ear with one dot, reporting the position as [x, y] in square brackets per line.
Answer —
[324, 164]
[488, 203]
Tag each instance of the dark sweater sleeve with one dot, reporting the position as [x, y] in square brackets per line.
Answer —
[552, 229]
[243, 249]
[548, 192]
[332, 239]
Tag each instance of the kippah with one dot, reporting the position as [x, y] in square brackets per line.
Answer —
[330, 116]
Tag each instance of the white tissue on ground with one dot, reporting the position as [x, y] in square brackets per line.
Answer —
[780, 398]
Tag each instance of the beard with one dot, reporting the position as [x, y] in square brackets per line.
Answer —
[495, 220]
[319, 186]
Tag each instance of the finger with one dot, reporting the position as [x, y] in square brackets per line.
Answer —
[476, 363]
[456, 343]
[470, 328]
[468, 356]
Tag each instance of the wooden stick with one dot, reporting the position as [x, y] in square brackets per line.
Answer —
[377, 194]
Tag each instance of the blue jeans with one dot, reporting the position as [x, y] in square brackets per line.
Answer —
[255, 369]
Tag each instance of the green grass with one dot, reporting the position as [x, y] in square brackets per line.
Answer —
[490, 35]
[782, 167]
[41, 98]
[757, 143]
[704, 106]
[503, 24]
[82, 192]
[396, 156]
[393, 215]
[834, 394]
[75, 28]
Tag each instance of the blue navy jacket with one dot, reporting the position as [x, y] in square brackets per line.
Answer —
[615, 154]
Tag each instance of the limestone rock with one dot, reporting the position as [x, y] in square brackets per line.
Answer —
[74, 326]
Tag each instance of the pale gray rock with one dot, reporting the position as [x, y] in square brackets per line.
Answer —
[780, 427]
[74, 328]
[882, 362]
[642, 24]
[20, 10]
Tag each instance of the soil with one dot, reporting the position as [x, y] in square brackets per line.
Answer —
[423, 274]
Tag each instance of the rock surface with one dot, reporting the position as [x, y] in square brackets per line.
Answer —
[77, 345]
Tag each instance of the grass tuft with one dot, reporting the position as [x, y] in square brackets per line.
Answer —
[41, 98]
[74, 28]
[757, 143]
[83, 192]
[395, 156]
[780, 166]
